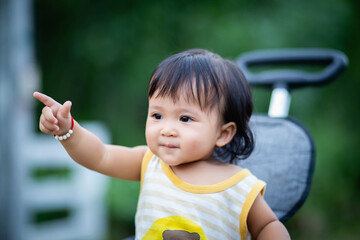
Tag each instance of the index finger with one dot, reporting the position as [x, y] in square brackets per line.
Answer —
[48, 101]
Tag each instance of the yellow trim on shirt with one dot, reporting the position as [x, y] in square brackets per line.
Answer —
[203, 188]
[145, 162]
[259, 187]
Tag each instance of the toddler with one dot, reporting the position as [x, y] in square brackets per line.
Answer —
[198, 113]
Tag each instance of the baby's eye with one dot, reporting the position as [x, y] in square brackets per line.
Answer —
[185, 119]
[157, 116]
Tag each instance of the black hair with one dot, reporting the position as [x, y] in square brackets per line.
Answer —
[211, 81]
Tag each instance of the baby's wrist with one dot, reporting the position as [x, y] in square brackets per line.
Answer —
[68, 134]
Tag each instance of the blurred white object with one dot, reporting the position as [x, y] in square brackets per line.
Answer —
[43, 193]
[279, 102]
[71, 196]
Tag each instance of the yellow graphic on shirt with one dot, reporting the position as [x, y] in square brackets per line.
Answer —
[175, 227]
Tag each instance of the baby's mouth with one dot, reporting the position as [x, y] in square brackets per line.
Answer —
[168, 145]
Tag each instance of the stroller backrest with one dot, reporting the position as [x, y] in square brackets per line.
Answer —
[284, 157]
[284, 154]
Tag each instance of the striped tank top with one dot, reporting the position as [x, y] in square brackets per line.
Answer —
[169, 207]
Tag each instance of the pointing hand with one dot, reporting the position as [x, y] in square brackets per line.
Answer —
[55, 118]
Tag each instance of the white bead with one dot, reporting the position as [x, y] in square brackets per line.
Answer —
[64, 137]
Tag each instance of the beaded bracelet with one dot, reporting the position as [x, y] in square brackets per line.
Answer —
[68, 134]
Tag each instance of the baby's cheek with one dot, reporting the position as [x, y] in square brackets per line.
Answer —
[149, 134]
[195, 146]
[202, 145]
[150, 140]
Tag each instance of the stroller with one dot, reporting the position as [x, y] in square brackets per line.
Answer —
[284, 154]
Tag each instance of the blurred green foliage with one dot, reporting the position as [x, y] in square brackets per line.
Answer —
[100, 55]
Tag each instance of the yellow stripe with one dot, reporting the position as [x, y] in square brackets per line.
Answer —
[206, 188]
[145, 162]
[259, 187]
[214, 201]
[199, 205]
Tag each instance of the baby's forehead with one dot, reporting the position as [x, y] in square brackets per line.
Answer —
[191, 99]
[176, 97]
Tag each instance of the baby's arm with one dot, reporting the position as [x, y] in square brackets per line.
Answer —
[86, 148]
[263, 223]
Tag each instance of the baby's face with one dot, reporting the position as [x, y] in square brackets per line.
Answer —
[180, 131]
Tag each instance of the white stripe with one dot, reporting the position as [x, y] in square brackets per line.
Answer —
[209, 201]
[198, 203]
[172, 206]
[214, 200]
[149, 213]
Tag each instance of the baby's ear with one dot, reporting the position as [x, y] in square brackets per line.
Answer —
[228, 131]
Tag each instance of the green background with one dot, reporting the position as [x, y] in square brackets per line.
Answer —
[100, 54]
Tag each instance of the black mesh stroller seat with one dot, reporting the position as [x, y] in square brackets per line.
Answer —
[284, 154]
[280, 140]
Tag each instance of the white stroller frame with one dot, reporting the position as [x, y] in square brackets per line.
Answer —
[284, 154]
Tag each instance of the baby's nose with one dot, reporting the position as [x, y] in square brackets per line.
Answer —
[168, 132]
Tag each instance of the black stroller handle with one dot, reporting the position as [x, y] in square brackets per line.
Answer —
[333, 61]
